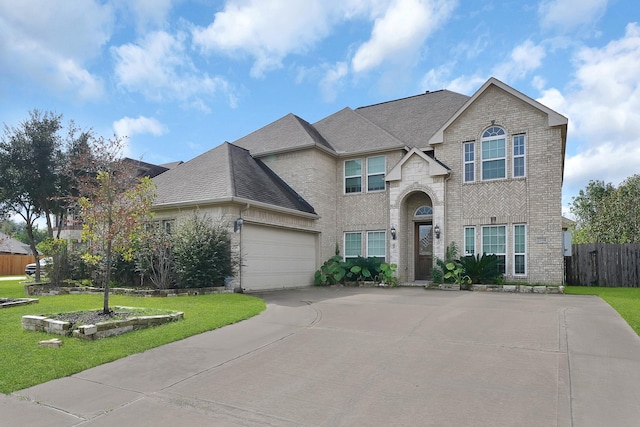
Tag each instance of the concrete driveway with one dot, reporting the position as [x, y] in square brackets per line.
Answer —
[368, 357]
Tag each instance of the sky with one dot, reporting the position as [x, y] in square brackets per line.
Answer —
[179, 77]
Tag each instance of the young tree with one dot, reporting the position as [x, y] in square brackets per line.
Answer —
[30, 160]
[113, 209]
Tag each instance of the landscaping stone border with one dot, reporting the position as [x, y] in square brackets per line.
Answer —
[48, 290]
[99, 330]
[523, 289]
[14, 302]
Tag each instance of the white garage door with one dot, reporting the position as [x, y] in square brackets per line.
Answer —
[275, 258]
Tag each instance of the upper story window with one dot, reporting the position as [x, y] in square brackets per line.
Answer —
[469, 161]
[519, 155]
[376, 167]
[353, 176]
[494, 153]
[375, 174]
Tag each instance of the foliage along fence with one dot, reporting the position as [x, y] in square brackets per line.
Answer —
[13, 265]
[604, 264]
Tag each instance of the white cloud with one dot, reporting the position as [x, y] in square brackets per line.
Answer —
[603, 106]
[148, 13]
[401, 31]
[523, 59]
[128, 127]
[268, 30]
[50, 42]
[563, 16]
[332, 79]
[159, 67]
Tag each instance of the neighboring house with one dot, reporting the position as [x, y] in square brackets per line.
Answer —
[14, 255]
[399, 180]
[71, 229]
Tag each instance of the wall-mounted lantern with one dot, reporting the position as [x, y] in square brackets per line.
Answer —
[393, 232]
[436, 230]
[237, 225]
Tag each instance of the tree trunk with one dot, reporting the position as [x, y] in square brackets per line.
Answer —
[107, 279]
[34, 250]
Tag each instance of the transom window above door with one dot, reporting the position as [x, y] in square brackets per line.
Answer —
[424, 211]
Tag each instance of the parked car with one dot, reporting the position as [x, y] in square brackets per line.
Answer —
[31, 268]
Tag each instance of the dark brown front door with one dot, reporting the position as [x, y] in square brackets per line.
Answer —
[423, 251]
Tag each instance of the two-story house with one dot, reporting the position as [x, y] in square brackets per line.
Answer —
[399, 180]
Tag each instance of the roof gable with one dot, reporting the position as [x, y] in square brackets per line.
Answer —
[553, 118]
[285, 134]
[350, 132]
[435, 167]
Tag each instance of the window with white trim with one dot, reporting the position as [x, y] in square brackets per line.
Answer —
[519, 155]
[353, 176]
[469, 241]
[519, 249]
[494, 241]
[377, 244]
[376, 168]
[469, 161]
[352, 245]
[494, 160]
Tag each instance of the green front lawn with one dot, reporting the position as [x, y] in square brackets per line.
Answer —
[625, 301]
[23, 363]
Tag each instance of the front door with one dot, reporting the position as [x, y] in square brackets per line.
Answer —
[423, 251]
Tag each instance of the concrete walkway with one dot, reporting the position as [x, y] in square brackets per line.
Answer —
[365, 357]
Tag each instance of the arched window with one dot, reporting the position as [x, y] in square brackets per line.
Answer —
[494, 152]
[424, 211]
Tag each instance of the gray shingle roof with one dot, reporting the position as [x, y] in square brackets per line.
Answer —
[348, 132]
[415, 119]
[226, 172]
[13, 246]
[289, 132]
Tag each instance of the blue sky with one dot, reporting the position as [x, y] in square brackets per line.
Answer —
[180, 77]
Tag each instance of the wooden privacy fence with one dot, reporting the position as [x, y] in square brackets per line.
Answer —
[13, 265]
[604, 264]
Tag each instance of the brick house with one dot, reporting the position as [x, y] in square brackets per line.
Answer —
[399, 180]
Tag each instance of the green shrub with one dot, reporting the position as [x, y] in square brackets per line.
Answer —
[331, 272]
[364, 269]
[202, 251]
[439, 270]
[456, 273]
[388, 274]
[481, 268]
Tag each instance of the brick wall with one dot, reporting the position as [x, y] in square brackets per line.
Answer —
[534, 200]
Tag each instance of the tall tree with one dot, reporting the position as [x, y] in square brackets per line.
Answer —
[30, 161]
[607, 214]
[114, 208]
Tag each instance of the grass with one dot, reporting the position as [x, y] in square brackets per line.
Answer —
[626, 301]
[24, 364]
